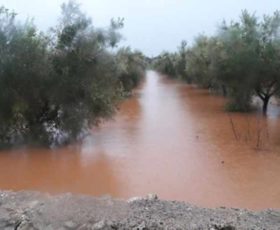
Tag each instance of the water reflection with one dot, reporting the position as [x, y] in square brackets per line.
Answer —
[171, 139]
[58, 171]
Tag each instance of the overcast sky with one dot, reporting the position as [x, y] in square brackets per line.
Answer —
[150, 25]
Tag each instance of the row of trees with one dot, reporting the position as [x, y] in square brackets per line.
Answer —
[55, 86]
[242, 61]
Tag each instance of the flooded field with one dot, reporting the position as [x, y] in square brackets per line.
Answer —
[171, 139]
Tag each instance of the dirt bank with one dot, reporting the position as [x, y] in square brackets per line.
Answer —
[31, 210]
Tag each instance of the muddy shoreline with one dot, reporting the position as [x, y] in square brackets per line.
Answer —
[33, 210]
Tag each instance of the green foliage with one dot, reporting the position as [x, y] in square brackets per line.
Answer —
[166, 64]
[241, 61]
[54, 88]
[248, 68]
[24, 67]
[200, 62]
[131, 66]
[181, 61]
[239, 101]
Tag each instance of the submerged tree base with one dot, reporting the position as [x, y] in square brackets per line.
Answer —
[233, 107]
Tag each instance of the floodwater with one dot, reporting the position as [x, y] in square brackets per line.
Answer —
[171, 139]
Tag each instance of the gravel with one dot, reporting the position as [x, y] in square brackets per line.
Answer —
[36, 211]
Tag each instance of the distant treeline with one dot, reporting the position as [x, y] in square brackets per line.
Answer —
[55, 86]
[241, 60]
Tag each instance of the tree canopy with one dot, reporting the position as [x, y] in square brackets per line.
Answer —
[241, 60]
[55, 87]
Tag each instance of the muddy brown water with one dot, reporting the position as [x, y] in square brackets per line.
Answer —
[171, 139]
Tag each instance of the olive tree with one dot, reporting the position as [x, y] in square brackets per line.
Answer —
[166, 63]
[86, 88]
[131, 66]
[25, 74]
[55, 88]
[267, 81]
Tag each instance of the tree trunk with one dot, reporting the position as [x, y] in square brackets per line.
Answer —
[224, 89]
[265, 104]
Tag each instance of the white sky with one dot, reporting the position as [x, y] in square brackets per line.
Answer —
[150, 25]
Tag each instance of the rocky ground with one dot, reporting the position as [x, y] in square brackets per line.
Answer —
[31, 210]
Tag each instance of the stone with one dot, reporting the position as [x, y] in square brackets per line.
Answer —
[99, 225]
[142, 226]
[134, 199]
[152, 197]
[70, 225]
